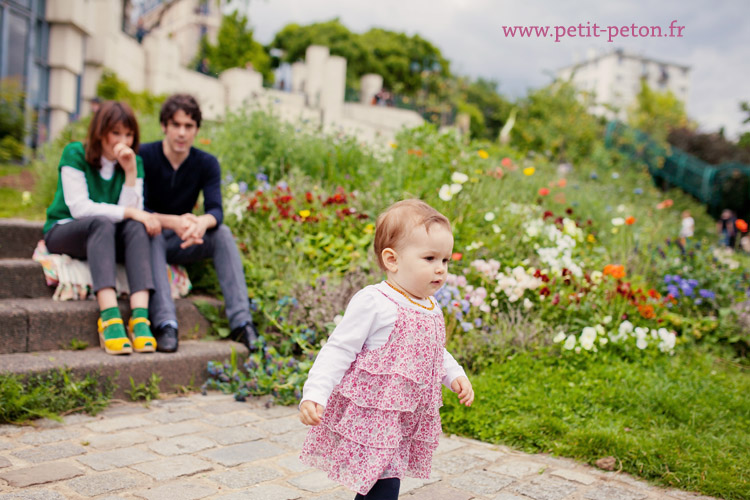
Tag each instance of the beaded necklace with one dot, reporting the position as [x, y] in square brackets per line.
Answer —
[432, 304]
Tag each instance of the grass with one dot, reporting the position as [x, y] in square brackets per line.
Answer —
[680, 421]
[11, 195]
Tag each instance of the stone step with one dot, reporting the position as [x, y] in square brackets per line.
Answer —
[181, 369]
[29, 325]
[18, 238]
[22, 278]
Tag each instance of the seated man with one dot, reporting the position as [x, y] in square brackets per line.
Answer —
[176, 173]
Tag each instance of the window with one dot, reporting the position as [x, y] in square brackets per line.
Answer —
[18, 34]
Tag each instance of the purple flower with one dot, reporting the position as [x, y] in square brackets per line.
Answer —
[261, 177]
[667, 278]
[706, 294]
[466, 326]
[673, 291]
[693, 282]
[686, 289]
[243, 187]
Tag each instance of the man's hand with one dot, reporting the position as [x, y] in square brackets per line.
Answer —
[462, 387]
[187, 229]
[311, 413]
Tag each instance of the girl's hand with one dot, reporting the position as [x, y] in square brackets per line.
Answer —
[153, 226]
[125, 157]
[311, 413]
[462, 387]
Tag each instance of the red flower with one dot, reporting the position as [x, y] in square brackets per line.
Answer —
[630, 221]
[309, 197]
[543, 191]
[456, 256]
[506, 162]
[741, 225]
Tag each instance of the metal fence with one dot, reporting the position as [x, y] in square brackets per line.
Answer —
[718, 186]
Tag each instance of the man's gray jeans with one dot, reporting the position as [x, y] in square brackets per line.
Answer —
[218, 245]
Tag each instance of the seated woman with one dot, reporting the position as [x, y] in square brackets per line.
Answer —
[97, 214]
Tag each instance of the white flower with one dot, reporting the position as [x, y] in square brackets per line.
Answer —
[641, 343]
[459, 178]
[489, 216]
[337, 319]
[667, 340]
[445, 193]
[588, 336]
[603, 340]
[618, 221]
[570, 342]
[559, 337]
[495, 228]
[233, 188]
[620, 208]
[494, 303]
[599, 329]
[607, 320]
[25, 198]
[456, 188]
[596, 277]
[527, 304]
[626, 327]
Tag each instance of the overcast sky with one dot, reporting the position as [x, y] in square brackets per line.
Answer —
[715, 42]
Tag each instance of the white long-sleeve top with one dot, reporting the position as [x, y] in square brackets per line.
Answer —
[368, 321]
[76, 194]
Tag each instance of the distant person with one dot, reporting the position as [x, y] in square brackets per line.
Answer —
[726, 228]
[176, 174]
[96, 103]
[140, 30]
[687, 227]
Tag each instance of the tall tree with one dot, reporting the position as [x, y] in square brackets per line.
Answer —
[235, 47]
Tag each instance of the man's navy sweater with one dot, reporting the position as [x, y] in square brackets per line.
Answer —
[170, 191]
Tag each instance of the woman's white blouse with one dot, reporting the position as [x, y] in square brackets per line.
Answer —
[368, 321]
[76, 194]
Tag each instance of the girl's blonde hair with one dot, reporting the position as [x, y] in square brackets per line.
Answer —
[399, 220]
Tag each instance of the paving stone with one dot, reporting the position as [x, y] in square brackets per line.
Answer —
[224, 408]
[234, 435]
[336, 495]
[546, 488]
[278, 411]
[412, 483]
[40, 474]
[481, 482]
[48, 436]
[50, 452]
[280, 425]
[446, 445]
[9, 430]
[508, 496]
[440, 491]
[123, 457]
[33, 495]
[78, 419]
[292, 463]
[232, 419]
[291, 440]
[111, 498]
[485, 454]
[181, 445]
[606, 492]
[243, 453]
[117, 440]
[6, 445]
[209, 397]
[315, 482]
[457, 463]
[4, 462]
[171, 468]
[175, 415]
[518, 468]
[178, 491]
[245, 478]
[92, 485]
[118, 424]
[264, 492]
[124, 410]
[572, 475]
[178, 429]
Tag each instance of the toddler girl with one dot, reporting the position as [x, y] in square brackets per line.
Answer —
[373, 394]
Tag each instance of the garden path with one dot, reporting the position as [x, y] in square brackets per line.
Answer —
[211, 447]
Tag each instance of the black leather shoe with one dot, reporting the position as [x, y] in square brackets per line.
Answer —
[167, 338]
[247, 335]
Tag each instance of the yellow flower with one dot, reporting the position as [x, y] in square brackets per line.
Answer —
[483, 154]
[304, 214]
[529, 171]
[590, 238]
[369, 228]
[394, 145]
